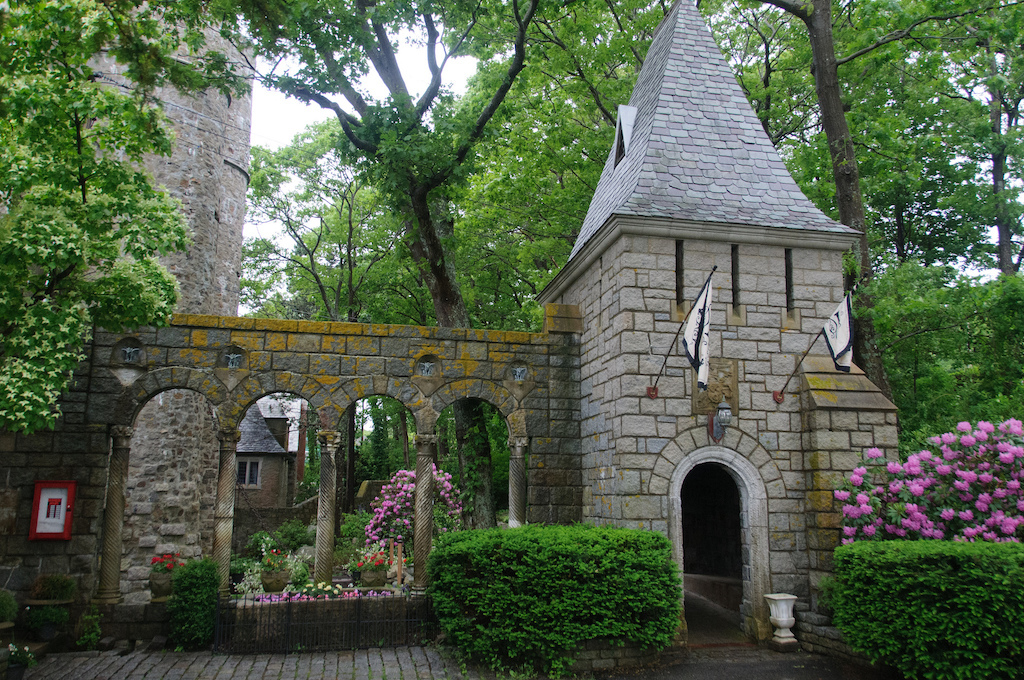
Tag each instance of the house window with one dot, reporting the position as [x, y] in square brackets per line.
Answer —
[248, 474]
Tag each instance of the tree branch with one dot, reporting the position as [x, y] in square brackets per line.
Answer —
[899, 34]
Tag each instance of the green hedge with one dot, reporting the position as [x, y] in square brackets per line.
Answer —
[933, 609]
[193, 605]
[529, 597]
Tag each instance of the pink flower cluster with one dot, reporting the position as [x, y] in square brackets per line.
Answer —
[967, 488]
[394, 508]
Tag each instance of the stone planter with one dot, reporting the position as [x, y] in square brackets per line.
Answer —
[160, 586]
[781, 605]
[373, 579]
[275, 581]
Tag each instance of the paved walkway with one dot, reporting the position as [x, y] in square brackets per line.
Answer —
[393, 663]
[423, 663]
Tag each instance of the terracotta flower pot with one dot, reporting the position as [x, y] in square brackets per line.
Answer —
[160, 585]
[275, 581]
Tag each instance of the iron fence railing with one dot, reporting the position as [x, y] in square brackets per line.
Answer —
[250, 626]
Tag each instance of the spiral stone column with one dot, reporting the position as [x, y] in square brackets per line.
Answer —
[323, 567]
[224, 510]
[423, 527]
[109, 591]
[517, 481]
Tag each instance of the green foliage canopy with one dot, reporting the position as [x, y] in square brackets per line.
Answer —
[80, 223]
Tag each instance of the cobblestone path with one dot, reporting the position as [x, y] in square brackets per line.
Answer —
[394, 663]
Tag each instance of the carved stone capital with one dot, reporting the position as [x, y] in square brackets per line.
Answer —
[330, 439]
[228, 435]
[121, 432]
[423, 440]
[518, 443]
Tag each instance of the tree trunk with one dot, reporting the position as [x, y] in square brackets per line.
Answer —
[433, 226]
[403, 434]
[847, 177]
[350, 458]
[475, 451]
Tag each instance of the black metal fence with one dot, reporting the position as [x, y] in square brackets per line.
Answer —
[248, 626]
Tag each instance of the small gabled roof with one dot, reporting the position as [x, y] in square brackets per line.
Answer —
[695, 151]
[254, 435]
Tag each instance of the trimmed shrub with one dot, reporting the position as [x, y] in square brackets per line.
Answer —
[933, 609]
[530, 597]
[193, 606]
[294, 534]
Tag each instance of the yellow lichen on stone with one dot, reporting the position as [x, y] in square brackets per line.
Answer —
[276, 342]
[247, 339]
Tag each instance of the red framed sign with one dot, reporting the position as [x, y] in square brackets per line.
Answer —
[52, 506]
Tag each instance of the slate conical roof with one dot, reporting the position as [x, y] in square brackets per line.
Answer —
[697, 151]
[254, 436]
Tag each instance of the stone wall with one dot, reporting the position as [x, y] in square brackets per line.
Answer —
[330, 365]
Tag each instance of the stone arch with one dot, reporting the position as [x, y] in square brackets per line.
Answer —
[132, 400]
[474, 388]
[252, 388]
[401, 390]
[756, 475]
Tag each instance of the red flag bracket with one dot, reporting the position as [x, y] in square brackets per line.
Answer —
[779, 396]
[652, 392]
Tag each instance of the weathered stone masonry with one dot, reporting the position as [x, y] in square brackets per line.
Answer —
[328, 364]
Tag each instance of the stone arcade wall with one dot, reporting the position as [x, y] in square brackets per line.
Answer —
[328, 364]
[637, 450]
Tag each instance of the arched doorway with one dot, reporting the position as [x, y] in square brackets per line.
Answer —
[712, 536]
[725, 504]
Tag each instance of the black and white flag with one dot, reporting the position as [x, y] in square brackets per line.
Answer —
[697, 334]
[838, 332]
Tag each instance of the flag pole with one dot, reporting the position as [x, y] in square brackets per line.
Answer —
[780, 395]
[652, 391]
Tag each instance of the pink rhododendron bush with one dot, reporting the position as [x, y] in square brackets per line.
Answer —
[967, 487]
[394, 508]
[930, 579]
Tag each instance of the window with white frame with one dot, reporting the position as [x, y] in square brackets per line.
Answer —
[248, 473]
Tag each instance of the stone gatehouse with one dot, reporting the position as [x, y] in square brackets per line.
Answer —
[692, 184]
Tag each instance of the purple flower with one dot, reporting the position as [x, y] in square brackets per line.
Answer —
[856, 480]
[948, 438]
[967, 440]
[841, 495]
[963, 426]
[894, 468]
[947, 514]
[873, 453]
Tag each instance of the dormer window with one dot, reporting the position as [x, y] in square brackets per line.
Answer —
[624, 131]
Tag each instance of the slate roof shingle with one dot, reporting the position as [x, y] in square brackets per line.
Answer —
[254, 435]
[698, 151]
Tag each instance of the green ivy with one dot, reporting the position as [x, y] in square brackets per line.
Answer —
[532, 596]
[933, 609]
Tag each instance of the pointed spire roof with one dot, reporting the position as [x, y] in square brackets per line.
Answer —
[254, 436]
[694, 149]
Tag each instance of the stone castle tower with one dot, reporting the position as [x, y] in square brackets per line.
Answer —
[693, 183]
[172, 475]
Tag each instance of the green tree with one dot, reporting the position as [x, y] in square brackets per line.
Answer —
[80, 223]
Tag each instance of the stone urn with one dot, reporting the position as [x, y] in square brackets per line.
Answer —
[373, 579]
[275, 581]
[160, 585]
[781, 605]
